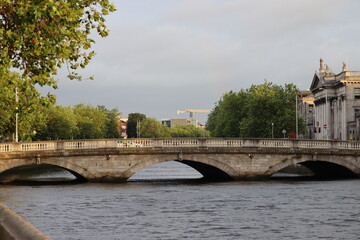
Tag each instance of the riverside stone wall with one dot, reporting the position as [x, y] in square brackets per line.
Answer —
[15, 227]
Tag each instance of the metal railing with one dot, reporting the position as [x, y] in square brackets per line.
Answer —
[176, 143]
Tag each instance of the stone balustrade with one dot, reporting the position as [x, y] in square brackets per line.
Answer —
[353, 73]
[177, 143]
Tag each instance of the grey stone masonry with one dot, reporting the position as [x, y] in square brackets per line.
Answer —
[116, 160]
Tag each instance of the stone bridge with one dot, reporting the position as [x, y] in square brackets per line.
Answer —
[116, 160]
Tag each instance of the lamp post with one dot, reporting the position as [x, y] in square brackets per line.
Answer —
[16, 116]
[272, 130]
[296, 117]
[326, 114]
[138, 128]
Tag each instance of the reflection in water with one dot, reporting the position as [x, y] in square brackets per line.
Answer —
[166, 170]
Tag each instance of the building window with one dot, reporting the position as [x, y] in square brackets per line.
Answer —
[357, 112]
[311, 107]
[357, 93]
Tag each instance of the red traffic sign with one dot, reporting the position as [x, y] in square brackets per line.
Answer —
[325, 126]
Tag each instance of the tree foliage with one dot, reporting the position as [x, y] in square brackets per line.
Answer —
[152, 128]
[79, 122]
[90, 121]
[224, 119]
[29, 106]
[37, 37]
[61, 123]
[133, 120]
[188, 131]
[112, 119]
[251, 112]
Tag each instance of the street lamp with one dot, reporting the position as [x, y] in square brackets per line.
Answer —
[272, 130]
[16, 116]
[138, 123]
[326, 113]
[296, 116]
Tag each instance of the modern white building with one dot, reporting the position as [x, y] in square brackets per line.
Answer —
[337, 104]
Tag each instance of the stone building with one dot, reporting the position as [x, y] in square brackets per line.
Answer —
[305, 108]
[336, 111]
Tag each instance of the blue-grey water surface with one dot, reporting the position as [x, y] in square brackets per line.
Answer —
[183, 209]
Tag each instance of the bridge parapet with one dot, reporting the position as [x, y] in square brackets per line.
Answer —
[25, 147]
[81, 144]
[225, 142]
[176, 143]
[349, 145]
[275, 143]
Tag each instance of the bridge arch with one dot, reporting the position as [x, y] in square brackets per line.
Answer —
[211, 169]
[321, 166]
[80, 173]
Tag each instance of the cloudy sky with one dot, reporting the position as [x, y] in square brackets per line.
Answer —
[166, 55]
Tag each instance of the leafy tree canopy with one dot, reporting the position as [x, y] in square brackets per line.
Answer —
[152, 128]
[29, 106]
[79, 122]
[251, 112]
[133, 120]
[111, 122]
[39, 36]
[188, 131]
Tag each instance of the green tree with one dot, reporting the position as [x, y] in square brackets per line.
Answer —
[37, 37]
[61, 123]
[112, 122]
[224, 120]
[133, 120]
[91, 122]
[251, 112]
[81, 121]
[29, 106]
[151, 128]
[188, 131]
[40, 36]
[262, 107]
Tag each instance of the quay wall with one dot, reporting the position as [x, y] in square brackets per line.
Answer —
[15, 227]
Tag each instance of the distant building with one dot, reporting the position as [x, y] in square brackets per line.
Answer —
[171, 123]
[305, 109]
[123, 127]
[166, 122]
[336, 111]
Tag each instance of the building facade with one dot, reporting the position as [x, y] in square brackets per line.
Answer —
[336, 110]
[171, 123]
[305, 109]
[123, 127]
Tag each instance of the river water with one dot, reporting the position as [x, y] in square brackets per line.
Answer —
[173, 208]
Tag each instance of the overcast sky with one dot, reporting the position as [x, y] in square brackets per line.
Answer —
[167, 55]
